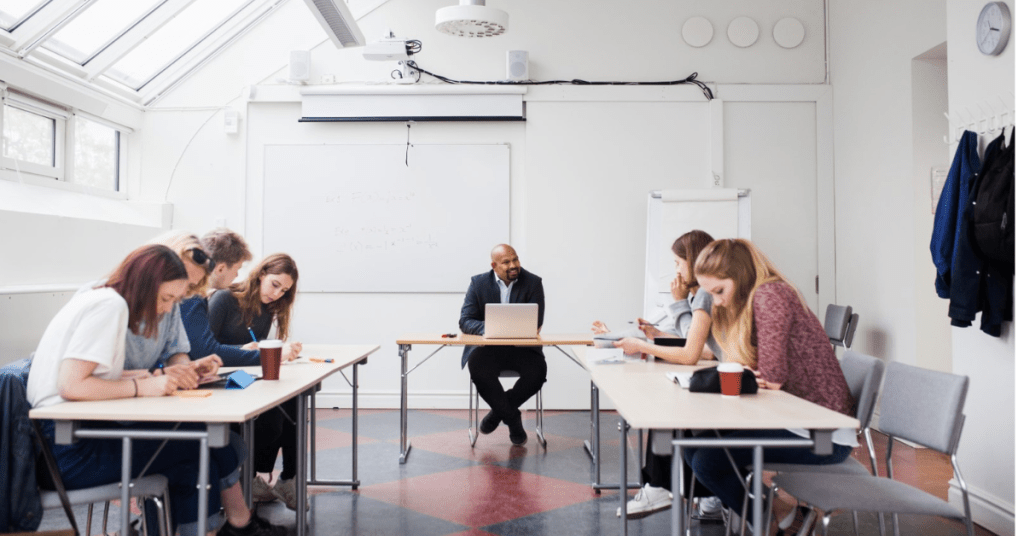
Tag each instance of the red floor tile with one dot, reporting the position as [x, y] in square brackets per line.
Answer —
[471, 532]
[327, 438]
[480, 495]
[494, 447]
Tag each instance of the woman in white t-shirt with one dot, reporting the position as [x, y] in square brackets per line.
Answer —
[81, 356]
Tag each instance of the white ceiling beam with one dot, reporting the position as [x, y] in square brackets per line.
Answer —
[49, 19]
[133, 37]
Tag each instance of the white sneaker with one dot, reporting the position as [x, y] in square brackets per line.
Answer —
[285, 490]
[710, 507]
[261, 491]
[648, 501]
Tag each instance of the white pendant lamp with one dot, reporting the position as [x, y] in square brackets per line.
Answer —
[471, 18]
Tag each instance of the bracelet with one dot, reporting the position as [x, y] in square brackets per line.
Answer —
[135, 382]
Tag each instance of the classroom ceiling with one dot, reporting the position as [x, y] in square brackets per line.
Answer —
[132, 49]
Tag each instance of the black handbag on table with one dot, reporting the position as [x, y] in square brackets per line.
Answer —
[706, 380]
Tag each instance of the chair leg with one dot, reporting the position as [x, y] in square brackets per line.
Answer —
[540, 420]
[106, 512]
[88, 521]
[165, 515]
[896, 524]
[856, 531]
[473, 420]
[769, 513]
[824, 523]
[808, 524]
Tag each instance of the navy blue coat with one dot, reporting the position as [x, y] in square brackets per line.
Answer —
[946, 235]
[20, 507]
[483, 289]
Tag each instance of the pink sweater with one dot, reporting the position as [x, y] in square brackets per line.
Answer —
[792, 349]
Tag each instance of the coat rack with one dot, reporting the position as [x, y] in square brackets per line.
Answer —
[983, 118]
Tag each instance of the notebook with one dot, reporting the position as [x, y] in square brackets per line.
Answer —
[510, 320]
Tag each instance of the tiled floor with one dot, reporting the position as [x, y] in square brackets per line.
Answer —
[448, 488]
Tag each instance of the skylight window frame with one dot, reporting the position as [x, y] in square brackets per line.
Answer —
[89, 56]
[109, 72]
[31, 13]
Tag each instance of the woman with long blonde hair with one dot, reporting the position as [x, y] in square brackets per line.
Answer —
[762, 322]
[247, 310]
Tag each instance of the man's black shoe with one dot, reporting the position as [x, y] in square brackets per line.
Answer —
[515, 429]
[489, 423]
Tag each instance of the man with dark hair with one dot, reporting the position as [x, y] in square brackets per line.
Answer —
[506, 282]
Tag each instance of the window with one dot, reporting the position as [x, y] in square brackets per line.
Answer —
[172, 40]
[44, 144]
[97, 155]
[29, 137]
[14, 12]
[98, 25]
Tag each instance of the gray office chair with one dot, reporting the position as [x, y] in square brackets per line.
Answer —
[474, 412]
[863, 375]
[922, 406]
[840, 325]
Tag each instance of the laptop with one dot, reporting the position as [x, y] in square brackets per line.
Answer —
[510, 320]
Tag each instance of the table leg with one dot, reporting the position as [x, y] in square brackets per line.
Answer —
[405, 446]
[126, 479]
[624, 434]
[755, 484]
[677, 500]
[312, 440]
[203, 484]
[355, 424]
[248, 466]
[300, 463]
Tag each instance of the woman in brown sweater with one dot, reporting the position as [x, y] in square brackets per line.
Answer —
[762, 322]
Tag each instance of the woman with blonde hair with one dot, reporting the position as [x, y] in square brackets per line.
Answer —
[762, 322]
[243, 312]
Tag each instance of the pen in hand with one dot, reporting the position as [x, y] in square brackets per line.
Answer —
[253, 335]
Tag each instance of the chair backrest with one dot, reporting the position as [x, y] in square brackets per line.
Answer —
[837, 322]
[923, 406]
[864, 377]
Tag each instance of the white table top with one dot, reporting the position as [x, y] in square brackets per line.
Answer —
[463, 339]
[646, 398]
[224, 405]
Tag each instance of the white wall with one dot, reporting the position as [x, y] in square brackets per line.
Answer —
[883, 147]
[987, 448]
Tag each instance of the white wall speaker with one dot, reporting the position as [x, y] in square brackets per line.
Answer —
[517, 65]
[298, 66]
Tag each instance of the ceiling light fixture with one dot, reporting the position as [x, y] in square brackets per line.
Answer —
[338, 22]
[471, 18]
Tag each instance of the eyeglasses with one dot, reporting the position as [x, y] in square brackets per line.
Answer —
[201, 258]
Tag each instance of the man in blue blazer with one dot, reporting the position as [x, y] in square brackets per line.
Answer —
[506, 282]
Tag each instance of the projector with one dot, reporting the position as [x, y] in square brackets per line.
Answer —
[386, 49]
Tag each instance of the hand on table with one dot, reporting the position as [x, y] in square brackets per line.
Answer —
[182, 376]
[629, 345]
[765, 384]
[599, 327]
[648, 328]
[208, 366]
[291, 351]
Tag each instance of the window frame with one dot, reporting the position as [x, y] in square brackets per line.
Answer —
[61, 175]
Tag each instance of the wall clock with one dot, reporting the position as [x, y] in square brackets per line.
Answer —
[993, 30]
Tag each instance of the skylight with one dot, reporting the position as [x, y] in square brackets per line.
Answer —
[14, 12]
[173, 40]
[97, 26]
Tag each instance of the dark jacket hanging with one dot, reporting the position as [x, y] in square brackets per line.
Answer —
[946, 232]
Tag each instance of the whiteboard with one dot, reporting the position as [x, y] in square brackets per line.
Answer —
[357, 218]
[720, 212]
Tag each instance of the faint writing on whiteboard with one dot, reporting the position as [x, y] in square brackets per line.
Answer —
[371, 197]
[373, 230]
[388, 244]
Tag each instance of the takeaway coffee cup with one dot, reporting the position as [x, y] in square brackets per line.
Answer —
[270, 358]
[730, 376]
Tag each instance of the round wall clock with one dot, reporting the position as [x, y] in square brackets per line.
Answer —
[743, 31]
[993, 30]
[697, 31]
